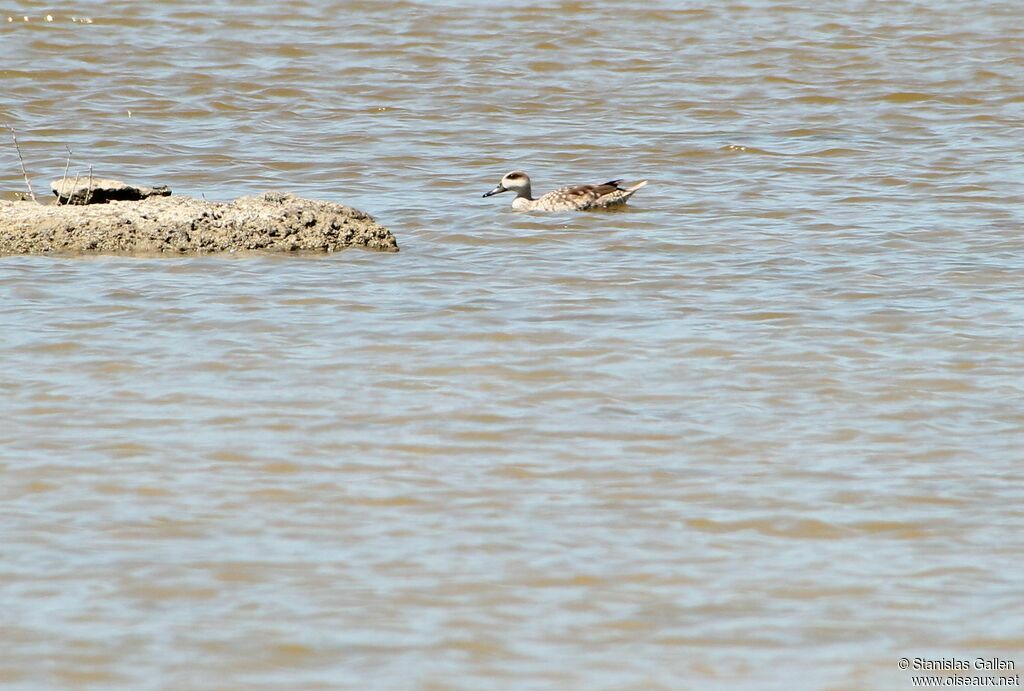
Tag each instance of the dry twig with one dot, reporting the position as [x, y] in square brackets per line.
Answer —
[64, 179]
[74, 186]
[28, 182]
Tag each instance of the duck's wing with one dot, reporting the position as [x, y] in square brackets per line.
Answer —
[591, 191]
[569, 198]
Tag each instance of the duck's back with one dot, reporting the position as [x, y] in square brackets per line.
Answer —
[584, 197]
[572, 197]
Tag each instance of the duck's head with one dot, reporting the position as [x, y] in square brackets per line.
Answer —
[517, 181]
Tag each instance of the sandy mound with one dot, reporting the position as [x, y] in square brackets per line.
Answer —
[274, 222]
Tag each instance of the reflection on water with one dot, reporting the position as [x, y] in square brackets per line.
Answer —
[754, 430]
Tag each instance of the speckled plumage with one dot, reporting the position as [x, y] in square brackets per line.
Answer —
[570, 198]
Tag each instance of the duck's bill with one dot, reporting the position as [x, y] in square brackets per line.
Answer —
[496, 190]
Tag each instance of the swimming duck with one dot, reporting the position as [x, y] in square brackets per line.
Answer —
[571, 198]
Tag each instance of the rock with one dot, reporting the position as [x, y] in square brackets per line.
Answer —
[274, 222]
[101, 191]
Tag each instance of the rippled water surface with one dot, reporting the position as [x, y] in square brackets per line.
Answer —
[761, 429]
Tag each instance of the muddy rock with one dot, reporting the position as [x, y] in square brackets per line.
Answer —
[101, 191]
[274, 222]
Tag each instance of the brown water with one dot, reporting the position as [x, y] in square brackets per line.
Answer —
[762, 429]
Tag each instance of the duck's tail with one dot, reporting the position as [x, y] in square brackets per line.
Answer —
[635, 187]
[613, 195]
[626, 192]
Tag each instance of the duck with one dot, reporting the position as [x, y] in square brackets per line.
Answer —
[569, 198]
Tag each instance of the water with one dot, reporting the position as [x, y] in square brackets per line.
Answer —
[761, 429]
